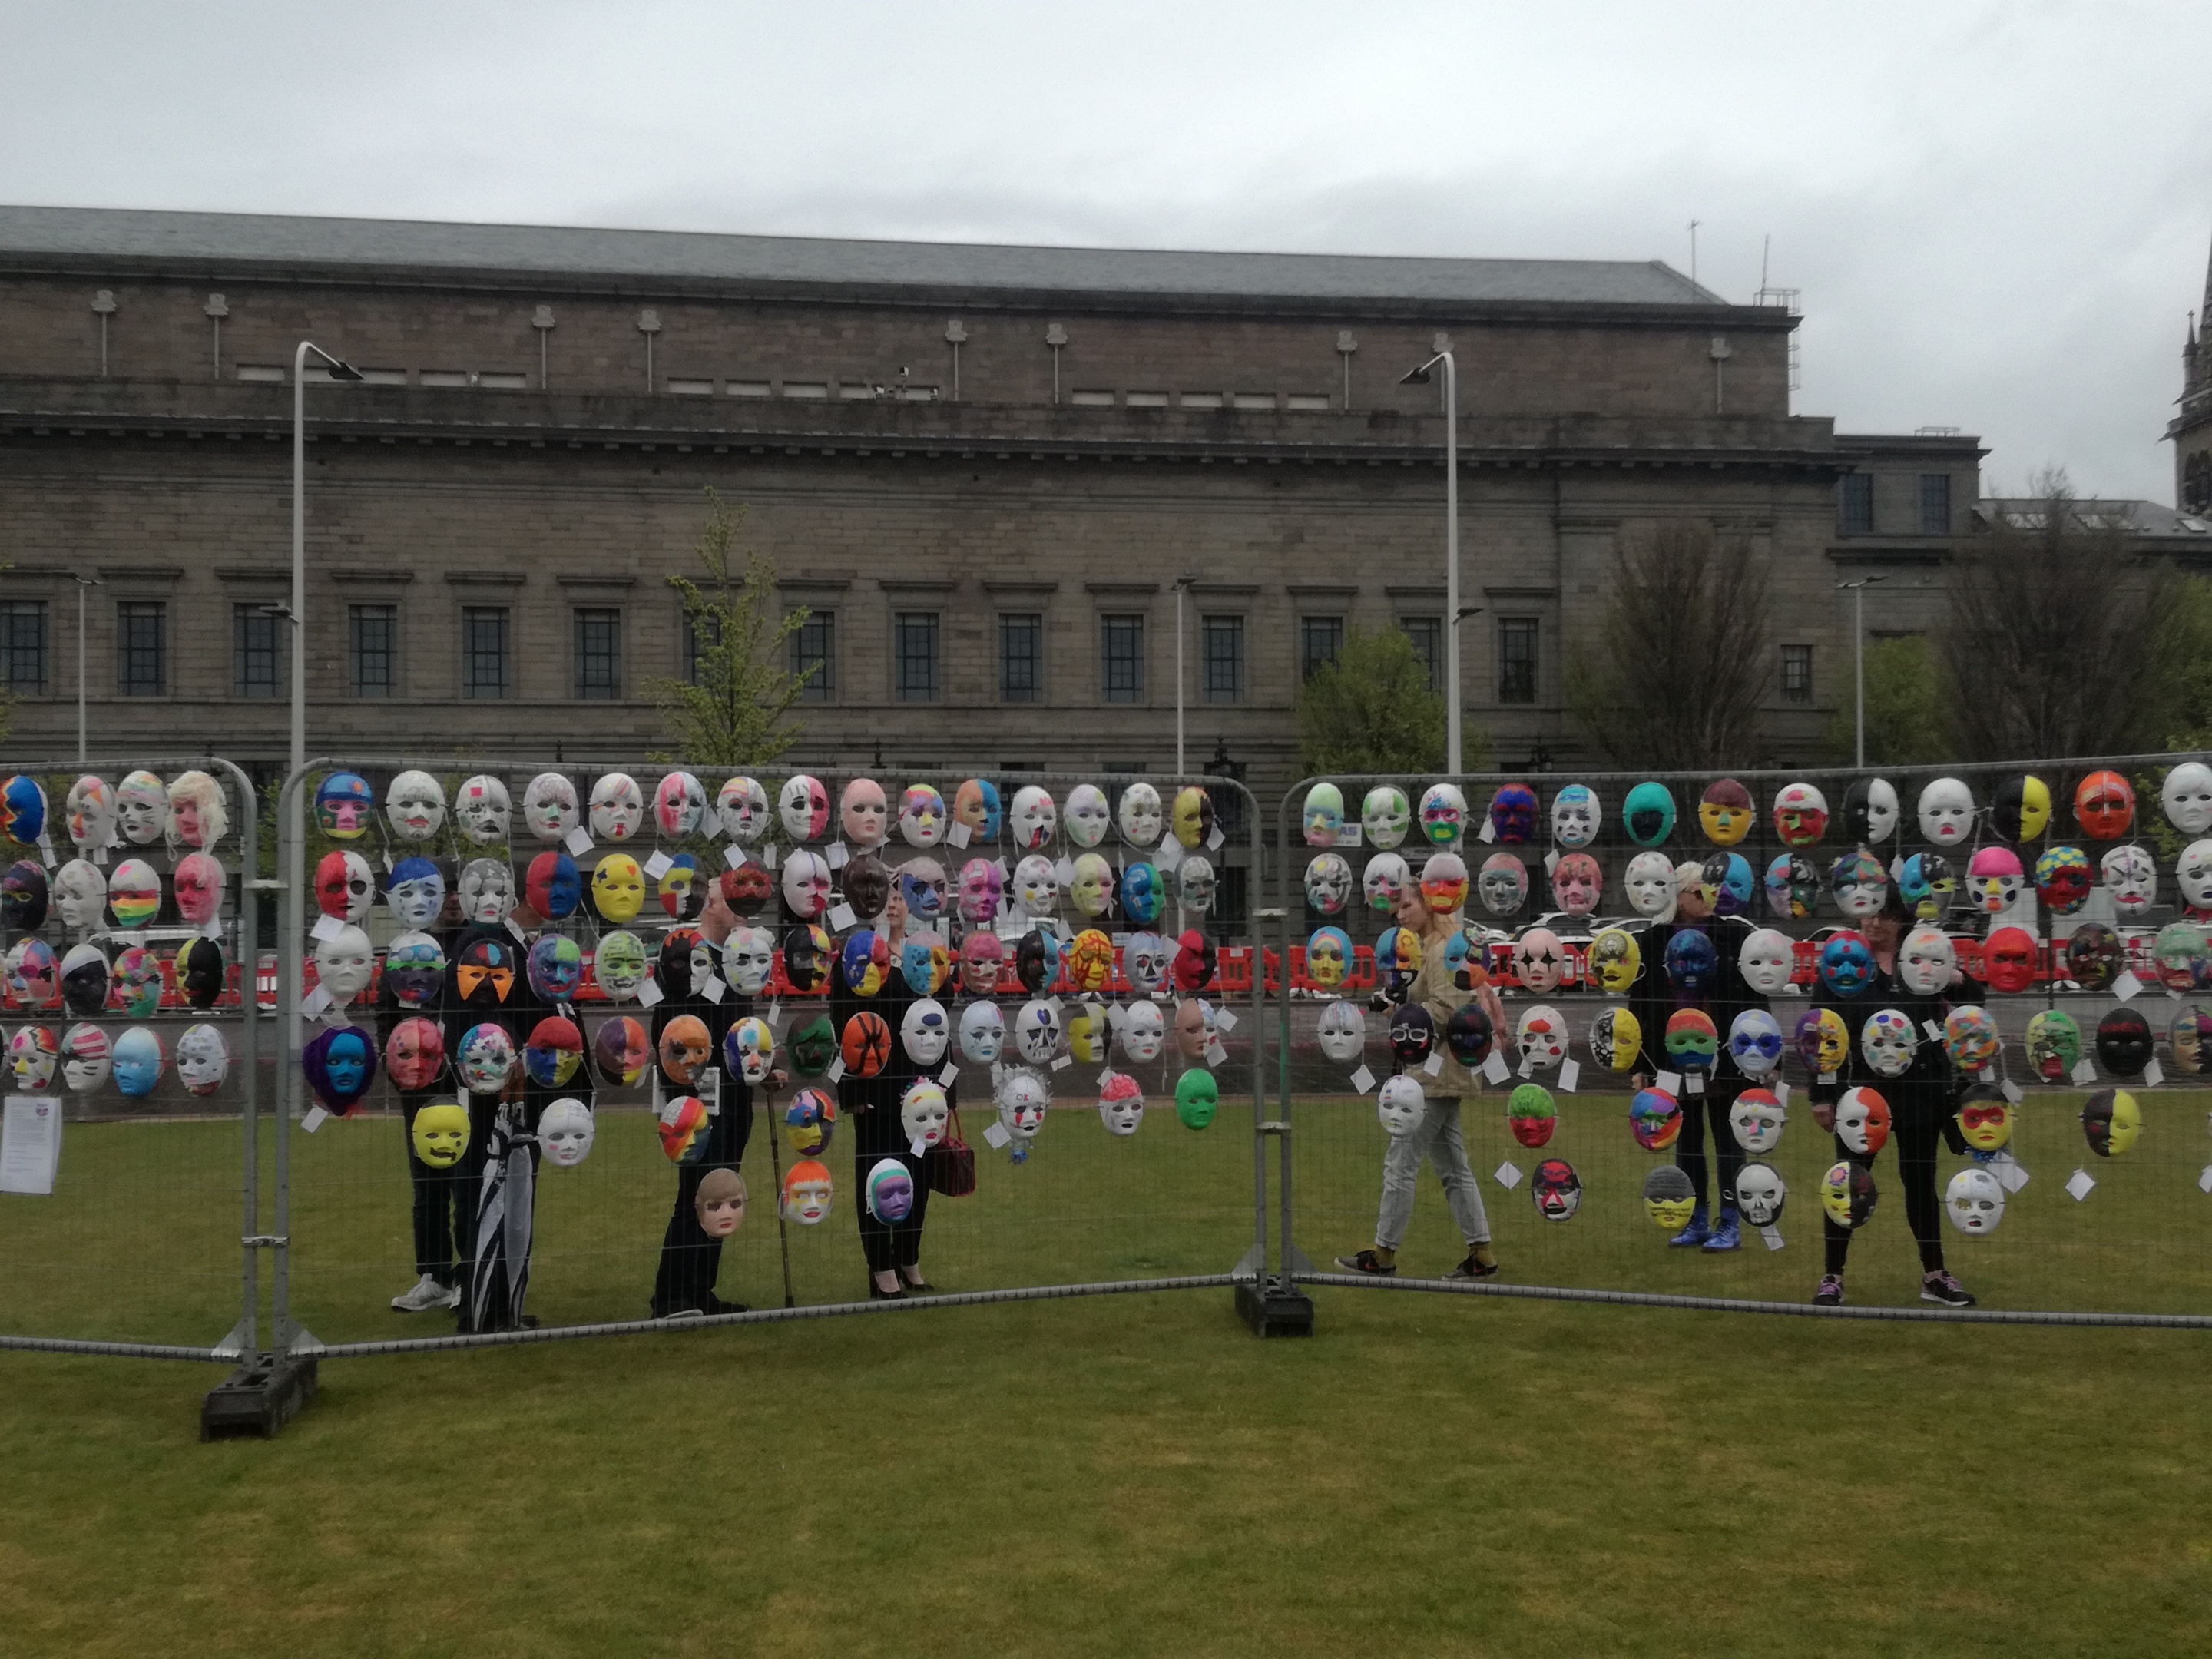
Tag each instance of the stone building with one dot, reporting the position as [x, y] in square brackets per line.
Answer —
[991, 473]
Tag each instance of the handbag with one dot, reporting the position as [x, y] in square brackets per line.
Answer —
[950, 1165]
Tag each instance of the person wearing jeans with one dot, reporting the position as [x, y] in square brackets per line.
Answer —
[1442, 991]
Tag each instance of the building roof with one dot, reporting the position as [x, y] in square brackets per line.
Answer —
[2137, 517]
[93, 238]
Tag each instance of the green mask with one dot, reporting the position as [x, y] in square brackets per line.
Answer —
[1196, 1098]
[812, 1045]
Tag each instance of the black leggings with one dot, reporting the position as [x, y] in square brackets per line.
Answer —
[1690, 1150]
[877, 1133]
[690, 1262]
[445, 1200]
[1914, 1131]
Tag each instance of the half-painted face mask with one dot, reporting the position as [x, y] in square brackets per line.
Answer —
[488, 891]
[2190, 1036]
[1823, 1042]
[1033, 819]
[2131, 878]
[1848, 1194]
[554, 1051]
[1576, 816]
[866, 962]
[803, 806]
[2111, 1121]
[1888, 1042]
[1385, 816]
[1616, 958]
[1616, 1039]
[1859, 883]
[1947, 811]
[2054, 1044]
[621, 1050]
[89, 812]
[742, 805]
[1649, 814]
[1556, 1190]
[344, 888]
[1194, 817]
[1503, 882]
[679, 804]
[1846, 964]
[926, 962]
[2020, 808]
[414, 1053]
[481, 808]
[1974, 1200]
[550, 807]
[1994, 877]
[975, 806]
[1927, 881]
[1037, 960]
[1800, 814]
[1871, 810]
[806, 885]
[415, 806]
[2105, 806]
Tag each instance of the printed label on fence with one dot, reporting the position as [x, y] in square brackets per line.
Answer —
[712, 990]
[658, 865]
[648, 994]
[1507, 1175]
[2153, 1074]
[1693, 1083]
[1494, 1070]
[2127, 985]
[315, 1119]
[30, 1144]
[1772, 1237]
[946, 1077]
[328, 927]
[1434, 1065]
[2080, 1185]
[1668, 1083]
[2084, 1074]
[841, 918]
[955, 834]
[995, 1135]
[734, 856]
[579, 841]
[1363, 1079]
[1349, 835]
[1570, 1076]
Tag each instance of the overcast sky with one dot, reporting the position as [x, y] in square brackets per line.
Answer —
[1999, 214]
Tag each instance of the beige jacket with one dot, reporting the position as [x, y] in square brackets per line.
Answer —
[1434, 990]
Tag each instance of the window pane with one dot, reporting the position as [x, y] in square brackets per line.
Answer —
[1021, 657]
[1321, 639]
[257, 648]
[373, 649]
[914, 649]
[483, 651]
[700, 634]
[1934, 503]
[1221, 650]
[141, 647]
[23, 645]
[1121, 657]
[814, 653]
[598, 655]
[1797, 673]
[1516, 659]
[1427, 634]
[1858, 505]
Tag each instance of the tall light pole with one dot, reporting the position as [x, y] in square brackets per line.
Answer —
[339, 370]
[1182, 586]
[1857, 591]
[84, 585]
[1452, 696]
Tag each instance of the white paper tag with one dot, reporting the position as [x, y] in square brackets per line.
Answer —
[774, 1015]
[1061, 1063]
[768, 856]
[1668, 1083]
[995, 1133]
[734, 856]
[315, 1001]
[1782, 1094]
[1215, 1054]
[1488, 832]
[1005, 874]
[712, 990]
[2127, 985]
[841, 918]
[1550, 863]
[838, 857]
[1693, 1083]
[837, 1071]
[1827, 1079]
[946, 1077]
[1348, 835]
[579, 841]
[1064, 873]
[1507, 1175]
[2084, 1074]
[1773, 1236]
[1494, 1070]
[955, 834]
[2204, 1180]
[2153, 1074]
[1528, 1066]
[1363, 1079]
[658, 865]
[1169, 855]
[514, 927]
[649, 994]
[314, 1120]
[327, 926]
[1223, 1020]
[1934, 1028]
[2011, 1090]
[2080, 1185]
[1434, 1065]
[1213, 839]
[1570, 1076]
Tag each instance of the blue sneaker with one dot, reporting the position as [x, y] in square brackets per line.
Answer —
[1727, 1235]
[1693, 1235]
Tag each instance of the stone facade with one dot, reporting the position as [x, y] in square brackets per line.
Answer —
[2191, 427]
[1116, 426]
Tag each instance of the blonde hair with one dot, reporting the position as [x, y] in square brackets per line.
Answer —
[205, 792]
[1687, 874]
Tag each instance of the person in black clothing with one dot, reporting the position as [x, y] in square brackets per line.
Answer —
[871, 1106]
[438, 1194]
[1652, 999]
[1923, 1110]
[485, 984]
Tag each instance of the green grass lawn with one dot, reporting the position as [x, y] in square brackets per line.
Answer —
[1123, 1474]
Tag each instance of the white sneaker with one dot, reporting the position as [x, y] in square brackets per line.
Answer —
[427, 1294]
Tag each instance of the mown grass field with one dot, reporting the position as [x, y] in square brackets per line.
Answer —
[1121, 1475]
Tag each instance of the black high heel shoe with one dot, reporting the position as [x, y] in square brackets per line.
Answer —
[877, 1293]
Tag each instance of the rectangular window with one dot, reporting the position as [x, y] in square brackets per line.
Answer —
[814, 654]
[1314, 401]
[747, 388]
[1796, 673]
[856, 390]
[1121, 658]
[1934, 503]
[141, 647]
[257, 646]
[502, 379]
[1516, 659]
[1200, 400]
[373, 649]
[599, 654]
[449, 378]
[1021, 657]
[1427, 634]
[1084, 397]
[1221, 654]
[1857, 504]
[259, 372]
[1253, 400]
[913, 656]
[700, 634]
[1145, 400]
[814, 391]
[23, 645]
[1320, 638]
[383, 376]
[691, 388]
[484, 655]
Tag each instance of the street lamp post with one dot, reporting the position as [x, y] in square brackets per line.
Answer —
[1421, 377]
[1857, 591]
[84, 585]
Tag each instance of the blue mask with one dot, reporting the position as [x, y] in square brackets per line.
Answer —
[1692, 962]
[339, 1066]
[1756, 1036]
[1846, 964]
[416, 891]
[1735, 887]
[555, 964]
[918, 966]
[1141, 894]
[137, 1063]
[924, 899]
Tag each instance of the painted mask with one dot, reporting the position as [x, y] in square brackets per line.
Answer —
[1668, 1198]
[2131, 878]
[1871, 810]
[865, 1044]
[1093, 888]
[1503, 883]
[24, 896]
[2062, 878]
[621, 1050]
[134, 893]
[1994, 877]
[1400, 1106]
[618, 888]
[1036, 888]
[1556, 1190]
[1576, 816]
[1022, 1100]
[806, 1192]
[1397, 958]
[1970, 1039]
[1343, 1031]
[1468, 1037]
[2180, 951]
[749, 1051]
[983, 1031]
[484, 971]
[2192, 872]
[1974, 1200]
[2008, 960]
[1329, 954]
[89, 812]
[1139, 815]
[1193, 817]
[488, 891]
[481, 808]
[2054, 1044]
[742, 805]
[1724, 812]
[1195, 883]
[1947, 813]
[1754, 1042]
[1888, 1042]
[2021, 808]
[748, 959]
[1649, 883]
[746, 888]
[1328, 883]
[812, 1046]
[1322, 814]
[415, 890]
[1985, 1117]
[1143, 894]
[1385, 816]
[85, 981]
[982, 964]
[1384, 881]
[925, 1031]
[868, 884]
[1790, 887]
[806, 885]
[550, 807]
[921, 816]
[344, 888]
[1512, 813]
[1413, 1034]
[2111, 1121]
[1090, 962]
[415, 970]
[343, 963]
[1145, 961]
[926, 962]
[2123, 1045]
[2187, 795]
[685, 1046]
[1193, 1028]
[1693, 1041]
[1649, 814]
[2190, 1036]
[414, 1053]
[140, 1059]
[866, 962]
[1654, 1118]
[980, 892]
[1120, 1103]
[922, 886]
[554, 967]
[683, 1127]
[803, 806]
[565, 1132]
[2105, 806]
[1693, 962]
[34, 977]
[1542, 1037]
[1848, 1194]
[1800, 814]
[439, 1135]
[415, 806]
[975, 803]
[1033, 819]
[1578, 883]
[1760, 1193]
[1846, 964]
[1616, 1039]
[487, 1058]
[554, 1051]
[1859, 883]
[141, 808]
[1616, 958]
[345, 806]
[198, 967]
[1036, 961]
[1824, 1041]
[87, 1057]
[679, 804]
[619, 964]
[616, 807]
[1088, 816]
[340, 1065]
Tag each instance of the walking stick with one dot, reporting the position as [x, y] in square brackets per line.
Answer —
[782, 1227]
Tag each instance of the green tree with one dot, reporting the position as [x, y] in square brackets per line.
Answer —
[1675, 682]
[1907, 708]
[732, 712]
[1372, 710]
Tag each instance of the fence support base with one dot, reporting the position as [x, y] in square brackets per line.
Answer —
[260, 1398]
[1274, 1307]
